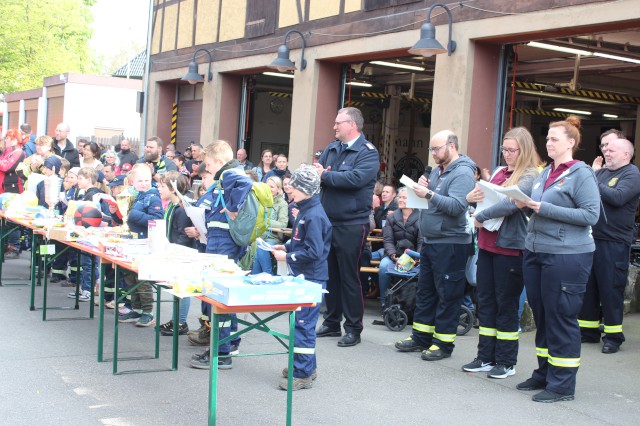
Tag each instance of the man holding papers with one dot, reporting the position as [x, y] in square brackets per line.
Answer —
[444, 252]
[503, 229]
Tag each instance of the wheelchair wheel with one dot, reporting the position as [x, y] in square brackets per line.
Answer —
[465, 321]
[395, 319]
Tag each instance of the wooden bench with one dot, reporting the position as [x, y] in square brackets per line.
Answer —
[369, 269]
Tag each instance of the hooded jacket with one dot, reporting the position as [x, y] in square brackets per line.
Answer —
[513, 230]
[445, 221]
[570, 206]
[347, 189]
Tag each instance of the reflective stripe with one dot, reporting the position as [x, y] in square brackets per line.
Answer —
[109, 290]
[74, 268]
[588, 324]
[224, 324]
[447, 338]
[304, 351]
[610, 329]
[58, 271]
[486, 331]
[508, 335]
[216, 224]
[542, 352]
[424, 327]
[564, 362]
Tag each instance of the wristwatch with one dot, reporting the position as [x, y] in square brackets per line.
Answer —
[429, 194]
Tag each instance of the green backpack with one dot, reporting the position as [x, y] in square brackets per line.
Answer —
[254, 216]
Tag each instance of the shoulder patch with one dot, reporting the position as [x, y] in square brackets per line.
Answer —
[370, 146]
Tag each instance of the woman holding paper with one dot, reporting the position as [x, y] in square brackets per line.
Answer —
[559, 252]
[501, 237]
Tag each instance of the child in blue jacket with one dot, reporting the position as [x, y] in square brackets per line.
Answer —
[306, 253]
[146, 206]
[236, 186]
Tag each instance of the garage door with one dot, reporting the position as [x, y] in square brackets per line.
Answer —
[55, 113]
[189, 121]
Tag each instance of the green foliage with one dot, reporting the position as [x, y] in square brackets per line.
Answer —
[40, 38]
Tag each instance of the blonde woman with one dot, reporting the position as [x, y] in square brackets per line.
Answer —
[499, 274]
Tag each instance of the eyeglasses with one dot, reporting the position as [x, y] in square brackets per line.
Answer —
[435, 149]
[337, 123]
[509, 150]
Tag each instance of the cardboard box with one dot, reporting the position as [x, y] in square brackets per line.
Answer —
[127, 249]
[234, 291]
[63, 234]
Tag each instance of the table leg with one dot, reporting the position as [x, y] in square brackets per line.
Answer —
[101, 312]
[292, 327]
[115, 323]
[214, 346]
[35, 266]
[44, 289]
[176, 330]
[93, 287]
[157, 326]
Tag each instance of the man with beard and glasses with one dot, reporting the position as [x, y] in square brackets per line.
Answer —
[444, 252]
[158, 163]
[125, 154]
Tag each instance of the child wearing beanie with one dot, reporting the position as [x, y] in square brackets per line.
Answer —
[306, 253]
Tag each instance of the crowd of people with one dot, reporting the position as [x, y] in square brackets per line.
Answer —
[566, 240]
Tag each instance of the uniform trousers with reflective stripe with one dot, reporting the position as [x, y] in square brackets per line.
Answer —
[59, 266]
[304, 348]
[440, 292]
[345, 291]
[606, 289]
[499, 287]
[556, 284]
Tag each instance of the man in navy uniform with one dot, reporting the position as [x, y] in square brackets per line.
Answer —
[348, 170]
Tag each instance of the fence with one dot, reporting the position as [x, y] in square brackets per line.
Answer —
[111, 142]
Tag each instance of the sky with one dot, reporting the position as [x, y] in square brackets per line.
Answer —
[119, 26]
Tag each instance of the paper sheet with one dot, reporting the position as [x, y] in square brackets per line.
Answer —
[264, 245]
[491, 197]
[196, 214]
[413, 201]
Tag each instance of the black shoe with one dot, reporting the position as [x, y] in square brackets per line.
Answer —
[349, 339]
[166, 329]
[610, 348]
[530, 384]
[434, 353]
[56, 278]
[585, 339]
[203, 362]
[378, 322]
[325, 331]
[549, 396]
[409, 345]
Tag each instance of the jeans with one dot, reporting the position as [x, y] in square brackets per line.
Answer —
[85, 274]
[384, 279]
[262, 262]
[185, 303]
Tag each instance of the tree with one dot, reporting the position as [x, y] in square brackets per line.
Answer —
[40, 38]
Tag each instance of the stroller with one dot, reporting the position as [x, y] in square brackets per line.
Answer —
[400, 301]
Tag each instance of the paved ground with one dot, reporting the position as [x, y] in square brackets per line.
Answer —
[50, 375]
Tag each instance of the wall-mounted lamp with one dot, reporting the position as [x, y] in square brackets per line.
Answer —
[193, 76]
[428, 45]
[282, 62]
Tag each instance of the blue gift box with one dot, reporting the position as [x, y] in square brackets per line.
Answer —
[236, 291]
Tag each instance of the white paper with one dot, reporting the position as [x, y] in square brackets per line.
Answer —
[514, 192]
[283, 268]
[408, 182]
[264, 245]
[196, 214]
[491, 198]
[413, 201]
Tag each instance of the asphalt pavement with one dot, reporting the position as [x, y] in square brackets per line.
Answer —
[50, 375]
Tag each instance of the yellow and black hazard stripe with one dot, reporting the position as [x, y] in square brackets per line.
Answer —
[279, 95]
[377, 95]
[540, 112]
[593, 94]
[530, 86]
[174, 123]
[353, 104]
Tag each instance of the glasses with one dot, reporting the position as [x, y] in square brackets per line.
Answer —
[509, 150]
[435, 149]
[337, 123]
